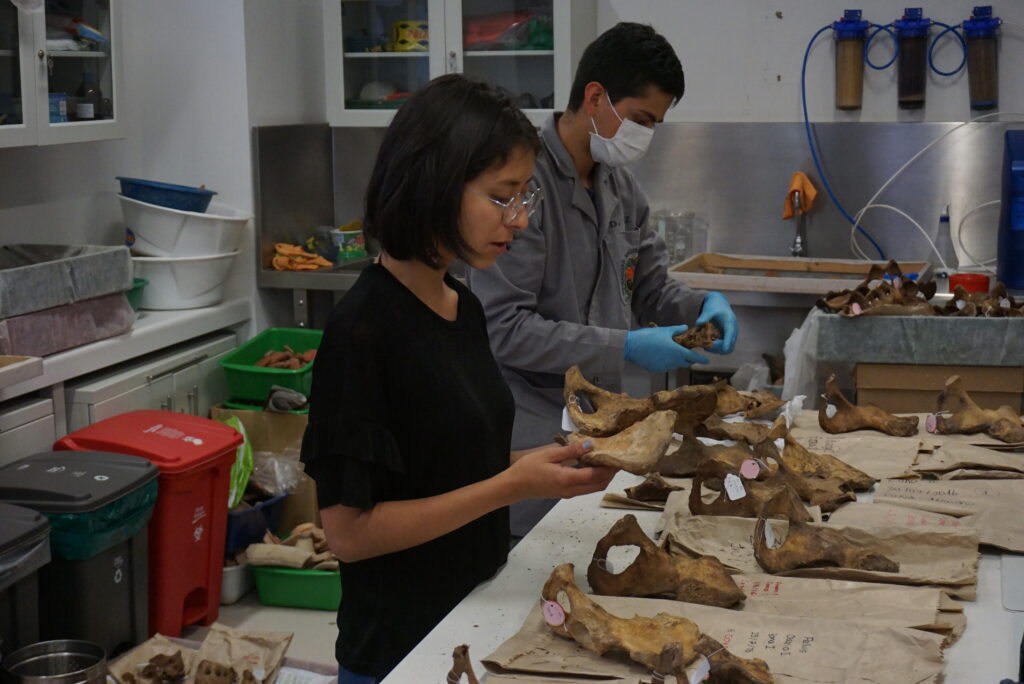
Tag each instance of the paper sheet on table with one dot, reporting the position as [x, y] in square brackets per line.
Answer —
[678, 505]
[878, 455]
[798, 650]
[994, 506]
[925, 557]
[951, 457]
[895, 606]
[622, 500]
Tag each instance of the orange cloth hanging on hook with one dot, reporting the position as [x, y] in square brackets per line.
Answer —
[802, 184]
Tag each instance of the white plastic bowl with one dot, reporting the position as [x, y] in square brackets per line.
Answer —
[183, 282]
[158, 231]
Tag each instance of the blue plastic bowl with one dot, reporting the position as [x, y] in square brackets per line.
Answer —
[181, 197]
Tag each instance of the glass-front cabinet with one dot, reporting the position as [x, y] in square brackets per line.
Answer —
[60, 71]
[379, 51]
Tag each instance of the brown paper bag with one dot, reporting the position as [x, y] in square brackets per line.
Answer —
[878, 455]
[614, 500]
[952, 457]
[259, 652]
[992, 506]
[925, 557]
[678, 505]
[797, 649]
[868, 515]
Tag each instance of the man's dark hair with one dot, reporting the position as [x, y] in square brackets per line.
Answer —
[446, 134]
[627, 59]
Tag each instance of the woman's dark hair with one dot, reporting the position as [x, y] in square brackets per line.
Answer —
[626, 59]
[446, 134]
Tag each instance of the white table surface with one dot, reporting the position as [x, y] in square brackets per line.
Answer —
[495, 610]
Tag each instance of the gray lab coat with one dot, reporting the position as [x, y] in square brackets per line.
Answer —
[563, 295]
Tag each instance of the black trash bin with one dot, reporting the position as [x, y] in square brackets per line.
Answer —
[98, 505]
[24, 548]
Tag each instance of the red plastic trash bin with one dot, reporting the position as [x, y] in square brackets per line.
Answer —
[186, 532]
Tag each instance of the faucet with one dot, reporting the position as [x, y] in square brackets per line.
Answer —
[799, 247]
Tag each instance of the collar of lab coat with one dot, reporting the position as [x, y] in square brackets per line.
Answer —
[567, 168]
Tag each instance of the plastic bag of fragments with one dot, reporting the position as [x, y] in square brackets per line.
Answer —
[751, 376]
[275, 474]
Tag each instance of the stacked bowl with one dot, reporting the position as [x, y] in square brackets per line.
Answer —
[183, 244]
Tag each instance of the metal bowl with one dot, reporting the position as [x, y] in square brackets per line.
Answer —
[64, 661]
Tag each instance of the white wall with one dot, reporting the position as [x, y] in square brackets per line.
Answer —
[191, 95]
[742, 60]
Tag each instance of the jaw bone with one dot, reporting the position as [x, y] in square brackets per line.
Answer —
[636, 449]
[845, 417]
[643, 639]
[614, 413]
[655, 572]
[968, 418]
[812, 464]
[815, 547]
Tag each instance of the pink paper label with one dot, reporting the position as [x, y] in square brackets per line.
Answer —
[749, 469]
[553, 613]
[929, 423]
[855, 308]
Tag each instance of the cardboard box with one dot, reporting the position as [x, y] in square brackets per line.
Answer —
[276, 432]
[899, 388]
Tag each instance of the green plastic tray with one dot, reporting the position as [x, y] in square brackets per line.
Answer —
[252, 383]
[316, 589]
[135, 294]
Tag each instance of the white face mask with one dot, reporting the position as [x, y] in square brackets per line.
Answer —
[628, 144]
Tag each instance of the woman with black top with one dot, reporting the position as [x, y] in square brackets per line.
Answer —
[410, 420]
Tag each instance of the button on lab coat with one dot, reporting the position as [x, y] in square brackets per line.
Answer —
[582, 274]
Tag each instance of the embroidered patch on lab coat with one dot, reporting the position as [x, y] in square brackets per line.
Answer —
[629, 275]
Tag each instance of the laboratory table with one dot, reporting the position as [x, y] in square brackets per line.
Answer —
[986, 653]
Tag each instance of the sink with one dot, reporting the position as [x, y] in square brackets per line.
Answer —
[778, 275]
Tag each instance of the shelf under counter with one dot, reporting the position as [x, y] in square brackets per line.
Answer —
[337, 278]
[153, 330]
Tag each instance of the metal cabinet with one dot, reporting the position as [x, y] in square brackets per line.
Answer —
[43, 64]
[27, 426]
[186, 378]
[378, 51]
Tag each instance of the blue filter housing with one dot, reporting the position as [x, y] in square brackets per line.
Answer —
[1010, 260]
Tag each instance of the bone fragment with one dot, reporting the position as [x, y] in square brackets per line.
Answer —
[815, 547]
[845, 417]
[968, 418]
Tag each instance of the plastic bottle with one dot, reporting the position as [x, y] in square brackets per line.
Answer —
[89, 98]
[851, 33]
[982, 60]
[944, 245]
[912, 33]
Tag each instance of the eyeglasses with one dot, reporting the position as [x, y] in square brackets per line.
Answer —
[526, 201]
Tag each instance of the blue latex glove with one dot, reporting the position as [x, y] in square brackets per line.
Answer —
[654, 350]
[716, 308]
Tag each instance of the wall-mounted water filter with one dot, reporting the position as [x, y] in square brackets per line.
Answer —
[981, 32]
[912, 36]
[851, 32]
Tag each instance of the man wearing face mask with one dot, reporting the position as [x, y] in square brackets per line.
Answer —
[583, 283]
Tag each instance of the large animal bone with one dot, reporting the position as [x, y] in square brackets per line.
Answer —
[812, 464]
[653, 488]
[614, 413]
[461, 665]
[968, 418]
[756, 404]
[761, 499]
[643, 639]
[826, 493]
[837, 415]
[636, 449]
[716, 428]
[815, 547]
[702, 336]
[654, 572]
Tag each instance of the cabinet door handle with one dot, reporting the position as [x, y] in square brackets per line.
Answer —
[170, 371]
[453, 62]
[168, 403]
[193, 400]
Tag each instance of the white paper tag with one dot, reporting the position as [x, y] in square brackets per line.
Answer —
[780, 444]
[1004, 303]
[793, 408]
[553, 613]
[831, 411]
[567, 423]
[960, 304]
[769, 536]
[702, 672]
[734, 487]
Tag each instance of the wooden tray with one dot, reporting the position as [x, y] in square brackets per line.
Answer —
[797, 275]
[14, 369]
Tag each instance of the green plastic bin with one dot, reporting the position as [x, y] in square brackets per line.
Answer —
[135, 294]
[248, 382]
[316, 589]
